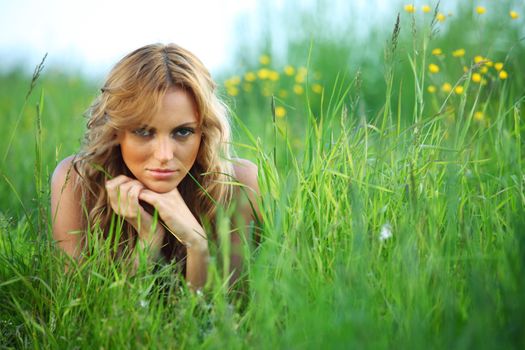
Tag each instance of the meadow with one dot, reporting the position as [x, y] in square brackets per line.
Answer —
[392, 194]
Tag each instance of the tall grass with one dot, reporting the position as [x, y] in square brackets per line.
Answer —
[401, 228]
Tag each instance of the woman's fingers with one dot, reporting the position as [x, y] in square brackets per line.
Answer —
[123, 193]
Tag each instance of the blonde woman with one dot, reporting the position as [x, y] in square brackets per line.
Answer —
[156, 150]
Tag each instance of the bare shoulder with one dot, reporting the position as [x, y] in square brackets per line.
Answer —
[65, 207]
[63, 175]
[245, 171]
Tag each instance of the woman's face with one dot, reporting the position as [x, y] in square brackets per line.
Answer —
[161, 153]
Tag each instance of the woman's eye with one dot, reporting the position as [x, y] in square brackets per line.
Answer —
[143, 132]
[184, 132]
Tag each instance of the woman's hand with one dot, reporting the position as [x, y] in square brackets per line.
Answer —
[123, 193]
[177, 216]
[180, 221]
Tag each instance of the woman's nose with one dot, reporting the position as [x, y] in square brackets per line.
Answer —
[164, 150]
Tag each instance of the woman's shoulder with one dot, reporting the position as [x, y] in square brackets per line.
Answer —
[64, 171]
[245, 171]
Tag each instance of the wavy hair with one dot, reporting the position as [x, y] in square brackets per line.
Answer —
[130, 95]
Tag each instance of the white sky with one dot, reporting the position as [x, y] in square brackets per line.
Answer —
[96, 33]
[89, 36]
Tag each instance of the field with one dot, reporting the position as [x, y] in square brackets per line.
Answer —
[392, 184]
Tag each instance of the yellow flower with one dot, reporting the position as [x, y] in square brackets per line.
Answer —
[489, 63]
[479, 116]
[273, 75]
[232, 91]
[458, 53]
[481, 10]
[264, 60]
[247, 87]
[250, 76]
[440, 17]
[503, 75]
[266, 91]
[431, 89]
[478, 59]
[283, 93]
[289, 70]
[514, 15]
[280, 111]
[484, 70]
[298, 89]
[446, 87]
[263, 73]
[437, 51]
[459, 90]
[426, 8]
[476, 77]
[410, 8]
[498, 66]
[465, 69]
[433, 68]
[302, 71]
[317, 88]
[299, 78]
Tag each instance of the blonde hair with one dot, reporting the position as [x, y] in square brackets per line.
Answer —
[131, 93]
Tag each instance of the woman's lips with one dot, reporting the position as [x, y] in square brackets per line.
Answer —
[161, 174]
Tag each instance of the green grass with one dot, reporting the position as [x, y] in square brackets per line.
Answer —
[448, 186]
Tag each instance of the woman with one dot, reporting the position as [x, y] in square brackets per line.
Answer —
[156, 156]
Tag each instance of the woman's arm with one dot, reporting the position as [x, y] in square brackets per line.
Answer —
[246, 197]
[66, 209]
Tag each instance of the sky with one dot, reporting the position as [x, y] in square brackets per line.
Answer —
[94, 34]
[90, 36]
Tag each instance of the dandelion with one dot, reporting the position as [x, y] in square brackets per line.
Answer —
[479, 116]
[458, 53]
[465, 69]
[440, 17]
[263, 73]
[302, 71]
[433, 68]
[426, 8]
[489, 63]
[431, 89]
[273, 75]
[247, 87]
[498, 66]
[289, 70]
[410, 8]
[266, 91]
[232, 91]
[437, 51]
[459, 90]
[514, 15]
[480, 10]
[250, 76]
[298, 89]
[446, 87]
[385, 232]
[299, 78]
[503, 75]
[280, 112]
[235, 80]
[264, 60]
[283, 93]
[317, 88]
[484, 70]
[476, 77]
[478, 59]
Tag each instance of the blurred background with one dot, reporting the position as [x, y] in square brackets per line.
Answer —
[302, 55]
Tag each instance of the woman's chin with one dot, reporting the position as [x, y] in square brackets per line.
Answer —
[161, 187]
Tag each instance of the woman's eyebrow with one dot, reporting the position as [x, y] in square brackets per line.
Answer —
[186, 125]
